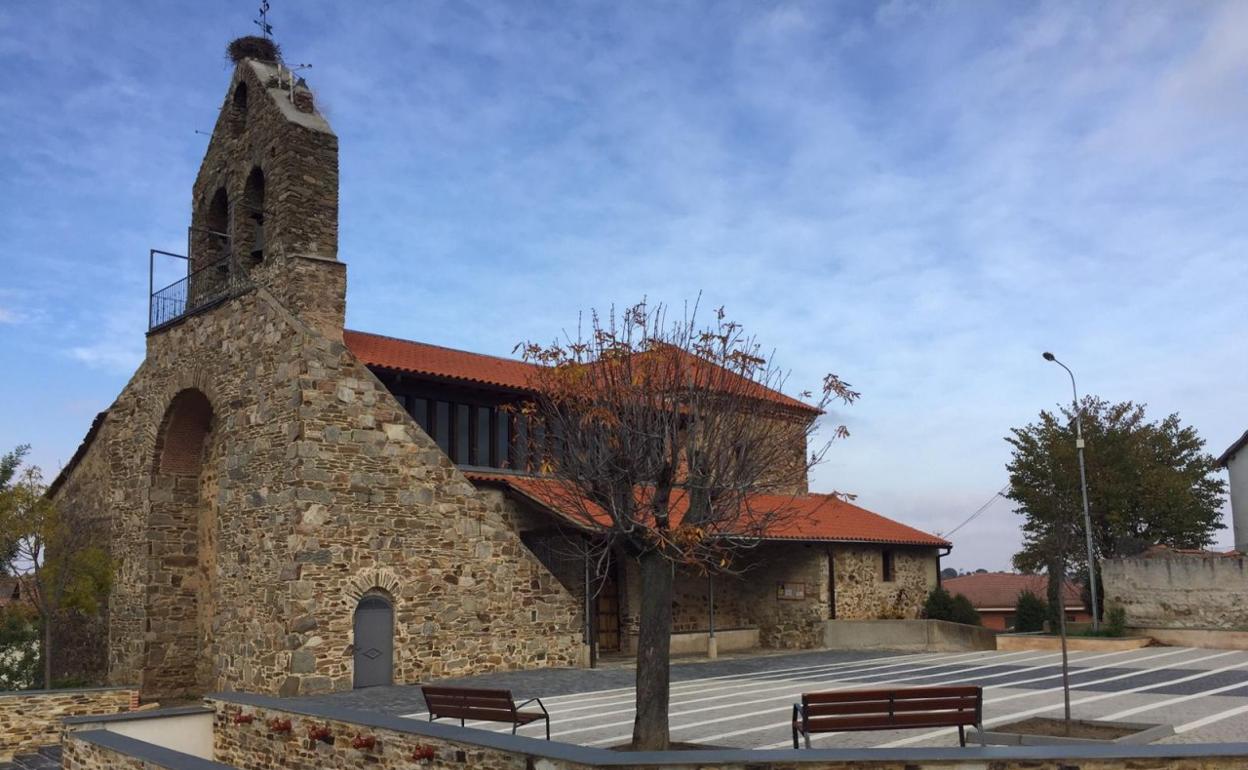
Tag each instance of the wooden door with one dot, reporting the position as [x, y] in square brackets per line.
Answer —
[608, 615]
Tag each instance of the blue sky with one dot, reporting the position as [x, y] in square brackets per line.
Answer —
[921, 197]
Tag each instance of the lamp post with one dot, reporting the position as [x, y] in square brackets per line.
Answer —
[1087, 517]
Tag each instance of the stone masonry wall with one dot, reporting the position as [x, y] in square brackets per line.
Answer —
[78, 754]
[80, 650]
[241, 561]
[325, 489]
[1179, 591]
[296, 155]
[32, 719]
[254, 746]
[862, 594]
[787, 623]
[751, 599]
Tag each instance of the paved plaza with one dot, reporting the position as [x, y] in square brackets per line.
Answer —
[746, 702]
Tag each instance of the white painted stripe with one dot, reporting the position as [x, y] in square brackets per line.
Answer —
[1081, 701]
[1013, 684]
[744, 679]
[858, 674]
[1212, 718]
[889, 661]
[787, 687]
[1177, 699]
[790, 694]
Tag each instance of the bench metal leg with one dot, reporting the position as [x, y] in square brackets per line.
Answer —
[962, 736]
[547, 727]
[983, 740]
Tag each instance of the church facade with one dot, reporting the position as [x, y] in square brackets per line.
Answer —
[297, 508]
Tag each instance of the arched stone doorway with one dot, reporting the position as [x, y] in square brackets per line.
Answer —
[374, 641]
[181, 528]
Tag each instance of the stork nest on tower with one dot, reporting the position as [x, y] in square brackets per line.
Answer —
[253, 47]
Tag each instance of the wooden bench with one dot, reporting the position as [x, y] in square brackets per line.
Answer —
[896, 709]
[464, 703]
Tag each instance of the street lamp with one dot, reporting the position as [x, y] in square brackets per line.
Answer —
[1083, 486]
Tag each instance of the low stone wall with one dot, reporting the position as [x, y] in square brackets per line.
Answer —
[104, 750]
[1209, 638]
[698, 642]
[1179, 590]
[244, 741]
[907, 636]
[32, 718]
[1018, 642]
[187, 729]
[256, 745]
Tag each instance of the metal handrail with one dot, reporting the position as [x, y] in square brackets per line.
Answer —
[204, 286]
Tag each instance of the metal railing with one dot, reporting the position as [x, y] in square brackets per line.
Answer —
[205, 285]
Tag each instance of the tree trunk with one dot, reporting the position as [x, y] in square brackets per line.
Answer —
[654, 644]
[47, 653]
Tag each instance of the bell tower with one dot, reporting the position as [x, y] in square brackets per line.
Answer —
[264, 212]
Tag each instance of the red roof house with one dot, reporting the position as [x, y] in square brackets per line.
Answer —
[995, 594]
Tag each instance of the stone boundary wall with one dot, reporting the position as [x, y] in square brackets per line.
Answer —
[32, 718]
[104, 750]
[249, 744]
[1179, 591]
[907, 636]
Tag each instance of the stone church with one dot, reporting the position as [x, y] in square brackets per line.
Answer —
[295, 508]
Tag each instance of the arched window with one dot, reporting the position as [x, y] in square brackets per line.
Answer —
[217, 221]
[253, 201]
[210, 245]
[374, 641]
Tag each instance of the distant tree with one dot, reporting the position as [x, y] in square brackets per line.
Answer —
[660, 433]
[19, 647]
[948, 572]
[964, 612]
[1030, 612]
[9, 465]
[1148, 482]
[60, 570]
[981, 571]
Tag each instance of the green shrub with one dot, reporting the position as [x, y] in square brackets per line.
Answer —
[964, 612]
[939, 605]
[19, 648]
[1115, 621]
[1030, 612]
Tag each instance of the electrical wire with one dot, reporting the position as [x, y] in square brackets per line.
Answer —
[979, 511]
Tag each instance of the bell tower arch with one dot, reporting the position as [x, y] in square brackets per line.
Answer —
[265, 201]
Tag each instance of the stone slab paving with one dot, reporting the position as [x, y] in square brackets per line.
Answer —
[746, 701]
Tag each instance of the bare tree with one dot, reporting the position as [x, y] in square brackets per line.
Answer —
[663, 438]
[59, 567]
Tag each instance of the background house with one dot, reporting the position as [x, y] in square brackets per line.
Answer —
[995, 594]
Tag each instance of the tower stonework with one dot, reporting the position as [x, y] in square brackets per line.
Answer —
[255, 482]
[266, 195]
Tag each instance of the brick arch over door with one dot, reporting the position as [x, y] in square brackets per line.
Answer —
[180, 540]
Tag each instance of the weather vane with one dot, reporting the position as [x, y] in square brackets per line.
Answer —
[263, 22]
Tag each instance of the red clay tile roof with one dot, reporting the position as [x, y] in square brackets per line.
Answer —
[806, 517]
[461, 365]
[437, 361]
[1001, 589]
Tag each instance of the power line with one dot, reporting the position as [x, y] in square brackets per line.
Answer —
[980, 510]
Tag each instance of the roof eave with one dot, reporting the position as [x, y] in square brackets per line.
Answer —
[1225, 458]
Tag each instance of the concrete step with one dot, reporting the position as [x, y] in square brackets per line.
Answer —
[46, 758]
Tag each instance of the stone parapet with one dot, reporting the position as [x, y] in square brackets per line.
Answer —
[30, 719]
[1179, 590]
